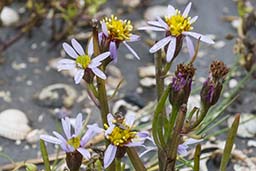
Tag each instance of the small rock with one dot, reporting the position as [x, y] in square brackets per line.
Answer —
[131, 3]
[6, 96]
[233, 83]
[57, 96]
[236, 23]
[34, 136]
[148, 82]
[152, 12]
[19, 66]
[148, 71]
[219, 44]
[247, 126]
[9, 16]
[129, 56]
[251, 143]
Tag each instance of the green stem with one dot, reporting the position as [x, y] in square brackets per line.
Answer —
[45, 156]
[197, 158]
[172, 120]
[202, 115]
[118, 164]
[135, 159]
[229, 143]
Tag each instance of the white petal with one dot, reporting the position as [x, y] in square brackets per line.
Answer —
[129, 119]
[154, 23]
[78, 124]
[79, 49]
[90, 133]
[190, 46]
[104, 28]
[131, 50]
[171, 49]
[66, 64]
[109, 155]
[109, 130]
[171, 11]
[163, 24]
[134, 38]
[160, 44]
[69, 50]
[101, 57]
[90, 47]
[135, 144]
[50, 139]
[94, 64]
[79, 75]
[197, 35]
[99, 73]
[86, 154]
[187, 9]
[66, 125]
[193, 19]
[192, 141]
[110, 119]
[151, 28]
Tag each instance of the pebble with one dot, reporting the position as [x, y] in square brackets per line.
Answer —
[148, 71]
[33, 46]
[154, 11]
[148, 82]
[219, 44]
[34, 135]
[9, 16]
[6, 96]
[251, 143]
[236, 23]
[19, 66]
[233, 83]
[129, 56]
[131, 3]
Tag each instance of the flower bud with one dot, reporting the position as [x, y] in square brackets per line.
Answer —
[74, 160]
[181, 84]
[212, 87]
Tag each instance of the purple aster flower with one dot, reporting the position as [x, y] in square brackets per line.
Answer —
[114, 32]
[81, 61]
[120, 134]
[73, 142]
[177, 26]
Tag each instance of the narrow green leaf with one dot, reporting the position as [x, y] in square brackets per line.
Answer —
[45, 156]
[197, 158]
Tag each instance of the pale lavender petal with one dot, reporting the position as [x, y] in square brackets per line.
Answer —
[147, 151]
[151, 28]
[171, 11]
[66, 64]
[143, 134]
[50, 139]
[66, 125]
[134, 38]
[109, 130]
[171, 49]
[64, 145]
[94, 64]
[109, 155]
[78, 124]
[131, 50]
[110, 119]
[99, 73]
[197, 35]
[129, 119]
[190, 46]
[135, 144]
[187, 9]
[192, 141]
[69, 50]
[90, 47]
[104, 28]
[182, 150]
[59, 136]
[193, 19]
[86, 154]
[79, 49]
[101, 57]
[90, 133]
[154, 23]
[79, 75]
[113, 51]
[160, 44]
[163, 24]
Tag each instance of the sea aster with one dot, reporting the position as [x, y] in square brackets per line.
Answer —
[116, 31]
[81, 61]
[177, 26]
[74, 142]
[120, 134]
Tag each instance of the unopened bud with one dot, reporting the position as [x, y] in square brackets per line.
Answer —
[74, 160]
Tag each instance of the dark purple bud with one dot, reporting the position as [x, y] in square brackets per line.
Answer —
[74, 160]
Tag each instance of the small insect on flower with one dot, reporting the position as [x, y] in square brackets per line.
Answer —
[116, 31]
[81, 61]
[74, 142]
[177, 26]
[120, 134]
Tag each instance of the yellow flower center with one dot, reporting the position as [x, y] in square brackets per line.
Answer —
[121, 136]
[177, 24]
[74, 142]
[118, 29]
[83, 61]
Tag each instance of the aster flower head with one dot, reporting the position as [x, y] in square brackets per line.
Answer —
[73, 143]
[116, 31]
[82, 62]
[177, 26]
[120, 134]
